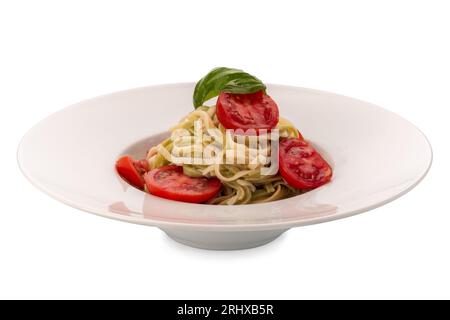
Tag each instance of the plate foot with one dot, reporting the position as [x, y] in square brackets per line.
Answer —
[223, 240]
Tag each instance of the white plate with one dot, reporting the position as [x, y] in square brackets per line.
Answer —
[377, 156]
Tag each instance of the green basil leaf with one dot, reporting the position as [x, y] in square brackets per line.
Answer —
[227, 80]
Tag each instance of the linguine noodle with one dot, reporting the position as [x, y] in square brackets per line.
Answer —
[242, 181]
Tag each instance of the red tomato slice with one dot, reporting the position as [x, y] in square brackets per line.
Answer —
[171, 183]
[301, 165]
[247, 111]
[132, 170]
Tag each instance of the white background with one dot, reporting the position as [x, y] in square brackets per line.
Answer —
[393, 53]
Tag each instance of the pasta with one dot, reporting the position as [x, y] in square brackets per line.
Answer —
[242, 183]
[238, 151]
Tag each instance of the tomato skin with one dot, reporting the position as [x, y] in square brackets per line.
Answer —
[301, 165]
[247, 111]
[171, 183]
[129, 170]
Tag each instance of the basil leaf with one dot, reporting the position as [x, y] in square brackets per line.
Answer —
[227, 80]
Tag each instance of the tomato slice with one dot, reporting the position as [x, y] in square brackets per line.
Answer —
[301, 165]
[171, 183]
[132, 170]
[247, 111]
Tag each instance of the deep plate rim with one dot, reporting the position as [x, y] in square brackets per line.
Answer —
[211, 226]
